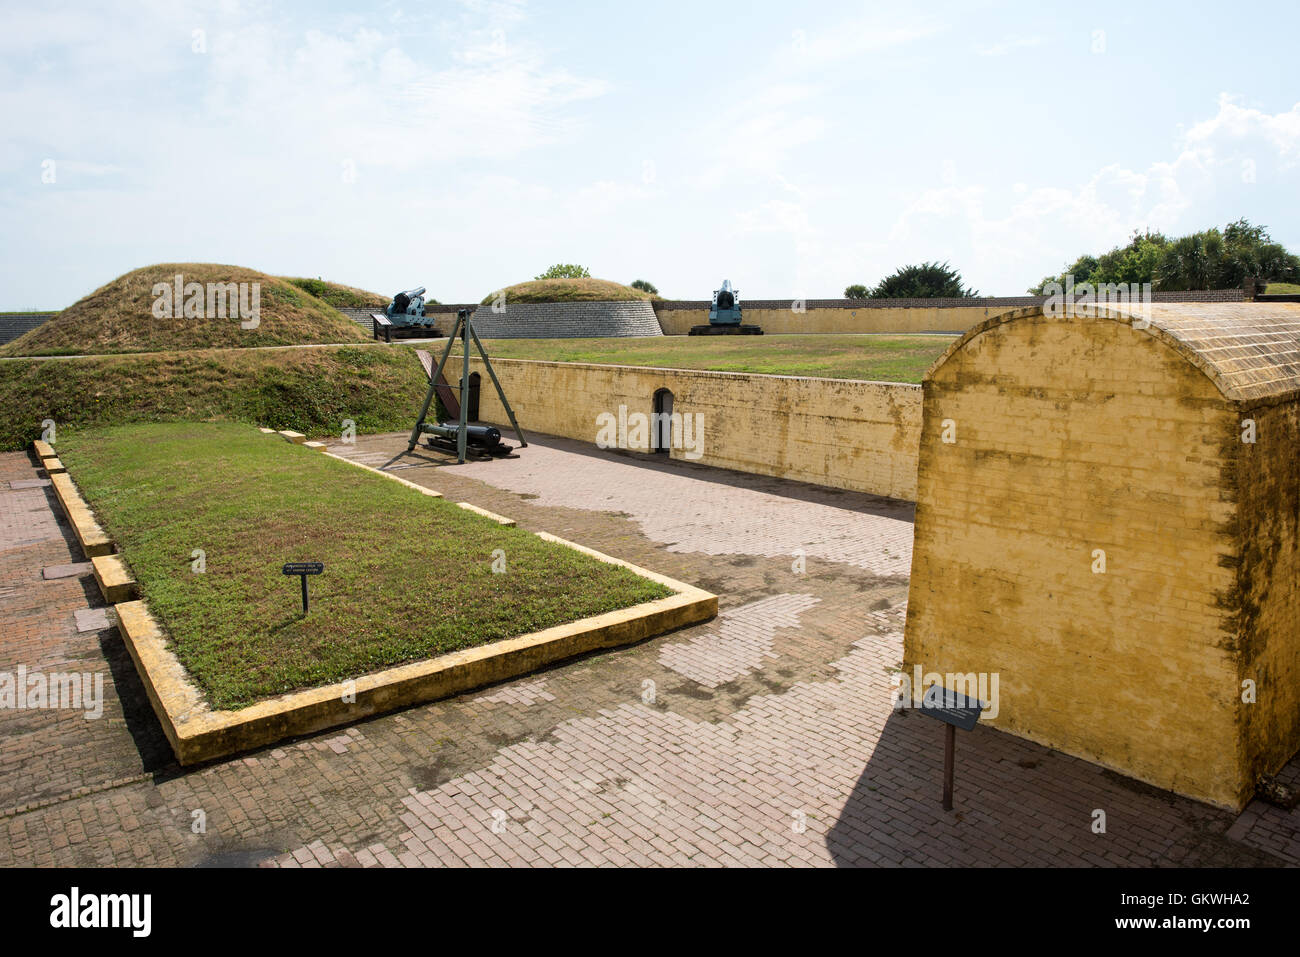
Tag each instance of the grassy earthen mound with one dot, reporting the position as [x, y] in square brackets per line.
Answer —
[308, 390]
[569, 290]
[344, 297]
[131, 314]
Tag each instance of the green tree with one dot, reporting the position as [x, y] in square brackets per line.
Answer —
[1250, 251]
[856, 291]
[565, 271]
[1133, 262]
[1209, 259]
[1190, 262]
[645, 286]
[1216, 259]
[926, 281]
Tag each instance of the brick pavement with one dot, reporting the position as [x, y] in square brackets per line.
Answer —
[764, 737]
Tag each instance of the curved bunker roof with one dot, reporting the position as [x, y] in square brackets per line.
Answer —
[1249, 350]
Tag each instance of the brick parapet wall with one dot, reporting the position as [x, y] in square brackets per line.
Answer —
[567, 320]
[13, 326]
[1008, 302]
[361, 315]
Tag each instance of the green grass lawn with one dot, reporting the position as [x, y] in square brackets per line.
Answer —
[871, 357]
[1282, 289]
[406, 576]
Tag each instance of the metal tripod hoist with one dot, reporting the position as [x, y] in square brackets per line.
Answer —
[460, 436]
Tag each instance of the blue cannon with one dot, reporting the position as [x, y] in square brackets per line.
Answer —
[725, 315]
[404, 317]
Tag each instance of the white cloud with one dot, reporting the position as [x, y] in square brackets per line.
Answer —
[607, 197]
[858, 36]
[362, 95]
[347, 146]
[478, 158]
[1010, 236]
[1237, 128]
[759, 131]
[1009, 44]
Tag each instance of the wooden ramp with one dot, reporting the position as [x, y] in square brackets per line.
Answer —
[447, 395]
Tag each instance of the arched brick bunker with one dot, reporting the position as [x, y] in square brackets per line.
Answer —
[1073, 436]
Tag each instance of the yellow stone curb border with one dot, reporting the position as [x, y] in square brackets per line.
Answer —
[116, 583]
[370, 468]
[48, 458]
[499, 519]
[197, 733]
[94, 540]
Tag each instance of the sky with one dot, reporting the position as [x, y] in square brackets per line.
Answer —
[791, 148]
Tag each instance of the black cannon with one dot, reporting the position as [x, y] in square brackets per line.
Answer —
[483, 440]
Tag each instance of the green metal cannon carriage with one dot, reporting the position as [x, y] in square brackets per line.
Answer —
[725, 315]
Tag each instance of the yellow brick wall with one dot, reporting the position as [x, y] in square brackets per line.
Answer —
[678, 322]
[1269, 628]
[845, 434]
[1075, 435]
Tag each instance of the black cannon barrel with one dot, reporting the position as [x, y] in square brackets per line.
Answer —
[478, 436]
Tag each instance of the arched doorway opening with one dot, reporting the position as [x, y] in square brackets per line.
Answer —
[661, 423]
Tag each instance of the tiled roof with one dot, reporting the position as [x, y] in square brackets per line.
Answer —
[1250, 350]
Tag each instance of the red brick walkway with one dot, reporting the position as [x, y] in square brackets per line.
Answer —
[764, 737]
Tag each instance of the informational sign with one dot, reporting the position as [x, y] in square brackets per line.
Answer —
[303, 569]
[951, 707]
[955, 710]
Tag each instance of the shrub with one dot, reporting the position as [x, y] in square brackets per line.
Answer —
[565, 271]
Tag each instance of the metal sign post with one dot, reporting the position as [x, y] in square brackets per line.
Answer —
[303, 569]
[955, 710]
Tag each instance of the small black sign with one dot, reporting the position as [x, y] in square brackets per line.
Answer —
[381, 320]
[951, 707]
[303, 569]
